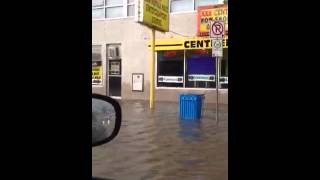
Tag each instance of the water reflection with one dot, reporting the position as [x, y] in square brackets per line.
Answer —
[190, 130]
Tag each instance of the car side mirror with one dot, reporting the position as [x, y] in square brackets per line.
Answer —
[106, 119]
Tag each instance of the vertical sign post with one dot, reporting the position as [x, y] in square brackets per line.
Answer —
[152, 67]
[155, 15]
[216, 34]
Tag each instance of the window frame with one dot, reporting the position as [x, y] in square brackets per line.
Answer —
[104, 1]
[114, 6]
[100, 7]
[186, 75]
[156, 72]
[124, 6]
[184, 84]
[130, 4]
[194, 7]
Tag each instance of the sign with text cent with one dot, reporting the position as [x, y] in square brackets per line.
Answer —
[153, 13]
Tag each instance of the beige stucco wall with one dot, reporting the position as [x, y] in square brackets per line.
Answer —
[133, 38]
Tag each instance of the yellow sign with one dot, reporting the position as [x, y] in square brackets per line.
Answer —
[211, 13]
[153, 13]
[97, 73]
[187, 43]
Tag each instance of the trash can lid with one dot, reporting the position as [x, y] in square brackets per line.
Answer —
[190, 97]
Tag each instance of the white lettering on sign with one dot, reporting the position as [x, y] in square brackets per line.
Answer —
[200, 77]
[170, 79]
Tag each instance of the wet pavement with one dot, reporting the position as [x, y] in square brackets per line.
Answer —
[157, 145]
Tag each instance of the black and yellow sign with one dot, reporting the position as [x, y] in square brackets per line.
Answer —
[187, 43]
[153, 13]
[97, 73]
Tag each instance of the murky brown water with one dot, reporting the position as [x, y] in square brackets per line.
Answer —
[158, 145]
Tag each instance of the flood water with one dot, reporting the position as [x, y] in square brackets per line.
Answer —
[157, 145]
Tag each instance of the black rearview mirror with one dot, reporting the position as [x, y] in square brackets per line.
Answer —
[106, 119]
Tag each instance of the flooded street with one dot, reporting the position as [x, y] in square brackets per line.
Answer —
[157, 145]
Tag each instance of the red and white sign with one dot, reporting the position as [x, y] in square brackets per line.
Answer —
[211, 13]
[217, 29]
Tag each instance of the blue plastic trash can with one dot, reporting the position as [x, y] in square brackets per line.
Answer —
[190, 106]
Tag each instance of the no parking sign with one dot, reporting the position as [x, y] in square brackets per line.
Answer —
[217, 29]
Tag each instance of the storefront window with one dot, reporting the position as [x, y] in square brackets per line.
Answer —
[191, 69]
[170, 68]
[200, 69]
[96, 65]
[224, 70]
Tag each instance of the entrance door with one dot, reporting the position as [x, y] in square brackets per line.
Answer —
[114, 70]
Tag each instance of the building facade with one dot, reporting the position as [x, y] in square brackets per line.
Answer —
[121, 52]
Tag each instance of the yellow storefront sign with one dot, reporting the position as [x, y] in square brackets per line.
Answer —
[186, 43]
[97, 73]
[211, 13]
[153, 13]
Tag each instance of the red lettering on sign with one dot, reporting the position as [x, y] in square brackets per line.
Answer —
[206, 13]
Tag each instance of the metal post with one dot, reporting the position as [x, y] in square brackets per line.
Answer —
[217, 89]
[152, 67]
